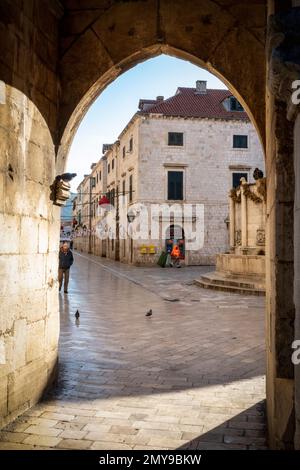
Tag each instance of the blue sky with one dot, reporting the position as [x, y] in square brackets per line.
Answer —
[112, 110]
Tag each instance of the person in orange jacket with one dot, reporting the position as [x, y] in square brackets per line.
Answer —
[175, 254]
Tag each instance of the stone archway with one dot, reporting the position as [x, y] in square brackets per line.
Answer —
[100, 43]
[70, 127]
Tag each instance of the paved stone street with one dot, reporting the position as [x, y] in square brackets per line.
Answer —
[189, 376]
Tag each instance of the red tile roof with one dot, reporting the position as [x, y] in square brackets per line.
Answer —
[187, 103]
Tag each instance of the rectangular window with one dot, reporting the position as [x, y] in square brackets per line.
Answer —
[175, 138]
[235, 105]
[124, 189]
[240, 141]
[100, 176]
[112, 197]
[124, 151]
[175, 185]
[131, 145]
[130, 188]
[236, 177]
[108, 168]
[112, 163]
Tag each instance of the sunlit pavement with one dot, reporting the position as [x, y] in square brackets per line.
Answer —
[189, 376]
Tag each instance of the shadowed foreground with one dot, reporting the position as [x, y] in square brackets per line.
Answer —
[190, 376]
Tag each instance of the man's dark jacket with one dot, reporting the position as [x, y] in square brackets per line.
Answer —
[65, 259]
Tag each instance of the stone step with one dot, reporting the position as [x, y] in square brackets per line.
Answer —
[229, 288]
[231, 281]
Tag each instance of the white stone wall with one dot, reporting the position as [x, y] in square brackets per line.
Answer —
[29, 240]
[207, 159]
[130, 164]
[127, 166]
[207, 152]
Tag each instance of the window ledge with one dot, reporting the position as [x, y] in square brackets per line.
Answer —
[176, 201]
[175, 165]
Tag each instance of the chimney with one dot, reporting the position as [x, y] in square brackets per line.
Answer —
[201, 87]
[159, 98]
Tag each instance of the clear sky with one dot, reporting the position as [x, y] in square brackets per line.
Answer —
[112, 110]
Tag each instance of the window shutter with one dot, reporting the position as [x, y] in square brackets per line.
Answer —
[175, 138]
[175, 185]
[240, 141]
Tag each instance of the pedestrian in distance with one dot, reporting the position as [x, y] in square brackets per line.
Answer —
[65, 262]
[175, 255]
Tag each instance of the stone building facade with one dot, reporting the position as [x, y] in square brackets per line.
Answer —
[216, 145]
[58, 56]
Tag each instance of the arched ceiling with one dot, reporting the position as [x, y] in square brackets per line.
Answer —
[99, 39]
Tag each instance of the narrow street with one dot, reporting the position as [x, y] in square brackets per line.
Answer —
[189, 376]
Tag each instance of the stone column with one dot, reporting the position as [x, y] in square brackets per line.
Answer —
[244, 217]
[231, 222]
[297, 264]
[297, 271]
[283, 30]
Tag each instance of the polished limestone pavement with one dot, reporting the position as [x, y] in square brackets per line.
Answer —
[191, 376]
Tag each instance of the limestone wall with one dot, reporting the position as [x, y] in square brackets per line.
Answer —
[29, 238]
[207, 152]
[208, 160]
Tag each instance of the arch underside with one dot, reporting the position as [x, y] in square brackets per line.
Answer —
[61, 55]
[98, 45]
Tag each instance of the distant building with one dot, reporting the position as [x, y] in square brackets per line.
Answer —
[66, 219]
[191, 148]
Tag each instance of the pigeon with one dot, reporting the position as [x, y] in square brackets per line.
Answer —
[149, 313]
[66, 176]
[257, 174]
[77, 315]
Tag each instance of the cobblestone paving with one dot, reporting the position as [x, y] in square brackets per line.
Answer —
[189, 376]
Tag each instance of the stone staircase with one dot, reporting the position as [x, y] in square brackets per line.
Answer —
[230, 283]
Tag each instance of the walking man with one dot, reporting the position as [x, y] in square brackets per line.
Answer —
[65, 262]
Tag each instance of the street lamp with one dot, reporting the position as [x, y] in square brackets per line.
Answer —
[131, 217]
[60, 189]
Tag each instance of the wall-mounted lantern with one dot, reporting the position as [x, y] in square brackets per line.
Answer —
[61, 188]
